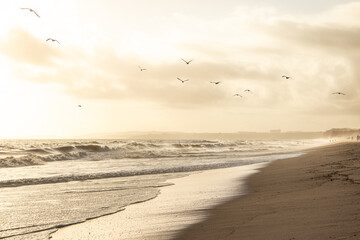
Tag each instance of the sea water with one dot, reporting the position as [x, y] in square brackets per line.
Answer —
[47, 184]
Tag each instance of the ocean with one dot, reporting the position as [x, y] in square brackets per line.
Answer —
[48, 184]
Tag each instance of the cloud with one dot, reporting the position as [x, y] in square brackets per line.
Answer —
[341, 15]
[26, 48]
[321, 58]
[333, 50]
[324, 38]
[111, 77]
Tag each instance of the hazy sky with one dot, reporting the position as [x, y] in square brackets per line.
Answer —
[244, 44]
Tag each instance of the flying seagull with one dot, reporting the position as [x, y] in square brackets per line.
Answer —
[339, 93]
[31, 11]
[142, 69]
[237, 95]
[182, 80]
[79, 106]
[215, 82]
[283, 76]
[187, 62]
[247, 90]
[53, 40]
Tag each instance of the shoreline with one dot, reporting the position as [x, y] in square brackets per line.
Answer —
[177, 207]
[314, 196]
[203, 218]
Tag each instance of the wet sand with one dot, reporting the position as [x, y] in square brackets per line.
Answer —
[314, 196]
[176, 207]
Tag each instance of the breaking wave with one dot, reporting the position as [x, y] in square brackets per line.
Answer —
[158, 170]
[38, 156]
[43, 152]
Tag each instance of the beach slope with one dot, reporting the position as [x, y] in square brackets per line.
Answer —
[314, 196]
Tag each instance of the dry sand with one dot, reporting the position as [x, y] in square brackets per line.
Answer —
[314, 196]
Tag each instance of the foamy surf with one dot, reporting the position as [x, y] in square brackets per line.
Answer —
[47, 184]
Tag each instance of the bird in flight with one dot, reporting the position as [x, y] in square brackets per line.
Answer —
[79, 106]
[237, 95]
[187, 62]
[31, 11]
[142, 69]
[182, 80]
[53, 40]
[247, 90]
[339, 93]
[287, 77]
[215, 82]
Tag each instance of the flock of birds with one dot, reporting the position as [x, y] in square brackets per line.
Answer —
[185, 80]
[216, 83]
[186, 62]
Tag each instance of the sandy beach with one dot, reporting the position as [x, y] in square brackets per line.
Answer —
[314, 196]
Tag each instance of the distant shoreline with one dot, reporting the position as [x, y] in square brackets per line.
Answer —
[210, 136]
[276, 134]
